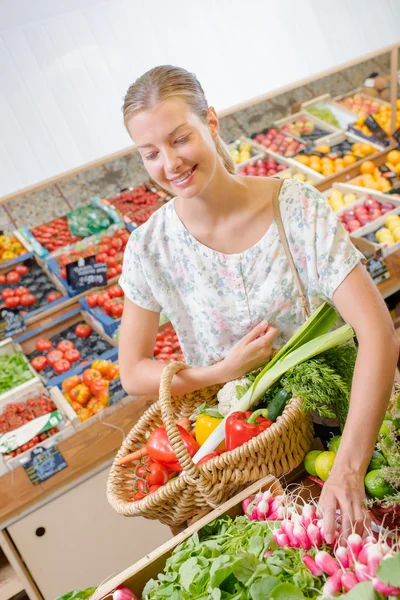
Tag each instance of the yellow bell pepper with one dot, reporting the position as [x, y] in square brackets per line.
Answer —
[204, 427]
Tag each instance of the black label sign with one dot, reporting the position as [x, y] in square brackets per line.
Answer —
[378, 270]
[115, 391]
[11, 322]
[44, 463]
[86, 273]
[396, 135]
[375, 128]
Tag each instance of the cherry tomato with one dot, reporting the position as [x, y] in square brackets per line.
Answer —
[98, 386]
[158, 474]
[54, 356]
[42, 345]
[110, 261]
[13, 277]
[83, 330]
[2, 279]
[102, 257]
[72, 355]
[21, 269]
[102, 298]
[12, 302]
[106, 240]
[117, 309]
[107, 306]
[92, 299]
[39, 363]
[53, 296]
[28, 299]
[141, 485]
[65, 345]
[115, 291]
[111, 272]
[21, 291]
[139, 496]
[119, 257]
[91, 375]
[61, 366]
[118, 268]
[142, 471]
[7, 293]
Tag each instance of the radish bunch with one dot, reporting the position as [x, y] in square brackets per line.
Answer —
[354, 562]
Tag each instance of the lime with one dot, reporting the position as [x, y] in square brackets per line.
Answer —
[385, 428]
[324, 464]
[334, 443]
[388, 416]
[376, 485]
[309, 461]
[377, 461]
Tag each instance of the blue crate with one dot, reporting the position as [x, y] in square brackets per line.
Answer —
[54, 269]
[108, 324]
[9, 264]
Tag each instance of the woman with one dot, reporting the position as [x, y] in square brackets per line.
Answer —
[213, 260]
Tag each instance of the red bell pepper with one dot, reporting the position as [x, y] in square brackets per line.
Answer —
[240, 427]
[209, 456]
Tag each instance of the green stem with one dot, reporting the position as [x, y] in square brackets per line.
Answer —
[262, 412]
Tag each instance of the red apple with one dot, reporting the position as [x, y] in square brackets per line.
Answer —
[353, 225]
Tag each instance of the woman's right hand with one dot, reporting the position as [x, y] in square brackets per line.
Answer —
[250, 353]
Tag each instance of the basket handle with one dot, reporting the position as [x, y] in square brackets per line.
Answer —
[169, 419]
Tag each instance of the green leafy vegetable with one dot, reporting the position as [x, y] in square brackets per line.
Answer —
[362, 591]
[14, 370]
[286, 591]
[388, 570]
[78, 595]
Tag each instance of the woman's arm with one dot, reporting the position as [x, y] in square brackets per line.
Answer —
[140, 375]
[360, 304]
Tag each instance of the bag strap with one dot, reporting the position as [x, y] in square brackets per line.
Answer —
[302, 297]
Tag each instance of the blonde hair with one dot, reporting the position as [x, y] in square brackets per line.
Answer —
[167, 81]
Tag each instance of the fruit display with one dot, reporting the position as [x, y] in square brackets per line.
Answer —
[301, 127]
[294, 174]
[110, 302]
[14, 371]
[378, 178]
[262, 167]
[54, 234]
[88, 393]
[137, 205]
[382, 116]
[365, 213]
[390, 233]
[324, 114]
[58, 354]
[18, 414]
[167, 347]
[337, 200]
[276, 141]
[10, 248]
[27, 288]
[241, 151]
[360, 104]
[329, 160]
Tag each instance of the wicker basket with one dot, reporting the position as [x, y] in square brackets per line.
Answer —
[276, 451]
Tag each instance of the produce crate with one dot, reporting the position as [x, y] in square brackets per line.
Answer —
[301, 144]
[281, 162]
[309, 174]
[100, 346]
[344, 116]
[136, 576]
[364, 238]
[9, 346]
[254, 152]
[339, 100]
[321, 128]
[83, 247]
[98, 316]
[7, 265]
[29, 390]
[361, 194]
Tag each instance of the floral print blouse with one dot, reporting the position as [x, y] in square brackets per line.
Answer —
[214, 299]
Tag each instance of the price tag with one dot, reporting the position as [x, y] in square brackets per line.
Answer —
[378, 270]
[375, 129]
[44, 463]
[115, 391]
[86, 273]
[11, 322]
[396, 135]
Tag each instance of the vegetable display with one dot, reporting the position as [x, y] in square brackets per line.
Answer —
[54, 234]
[14, 371]
[139, 204]
[167, 347]
[10, 248]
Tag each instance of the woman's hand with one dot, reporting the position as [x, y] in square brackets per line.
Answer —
[343, 490]
[250, 353]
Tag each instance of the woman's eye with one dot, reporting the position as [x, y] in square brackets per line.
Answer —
[151, 156]
[182, 140]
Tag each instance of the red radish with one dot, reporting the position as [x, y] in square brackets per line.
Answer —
[301, 536]
[311, 565]
[123, 593]
[374, 557]
[342, 556]
[349, 580]
[362, 572]
[383, 588]
[326, 562]
[288, 529]
[246, 503]
[355, 544]
[281, 539]
[308, 515]
[362, 557]
[333, 585]
[314, 535]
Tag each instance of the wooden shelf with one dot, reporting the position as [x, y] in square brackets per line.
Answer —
[10, 585]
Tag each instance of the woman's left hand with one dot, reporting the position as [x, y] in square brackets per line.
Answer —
[344, 490]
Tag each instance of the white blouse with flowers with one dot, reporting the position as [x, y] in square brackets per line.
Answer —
[213, 299]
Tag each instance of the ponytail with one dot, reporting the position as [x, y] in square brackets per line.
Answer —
[225, 156]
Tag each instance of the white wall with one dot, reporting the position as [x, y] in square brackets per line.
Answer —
[66, 64]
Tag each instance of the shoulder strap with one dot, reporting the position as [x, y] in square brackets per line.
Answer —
[302, 297]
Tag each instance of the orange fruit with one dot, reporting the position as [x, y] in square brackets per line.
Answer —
[349, 160]
[394, 157]
[367, 167]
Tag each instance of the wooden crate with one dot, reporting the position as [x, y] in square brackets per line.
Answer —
[344, 116]
[136, 576]
[326, 127]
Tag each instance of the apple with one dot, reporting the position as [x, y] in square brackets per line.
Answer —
[375, 214]
[353, 225]
[387, 205]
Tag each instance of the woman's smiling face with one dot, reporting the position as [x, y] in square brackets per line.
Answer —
[177, 146]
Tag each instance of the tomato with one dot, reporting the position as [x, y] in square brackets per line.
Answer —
[80, 393]
[107, 306]
[28, 299]
[119, 257]
[116, 291]
[142, 471]
[63, 272]
[102, 366]
[153, 488]
[12, 302]
[158, 474]
[106, 240]
[139, 496]
[117, 309]
[39, 363]
[70, 383]
[72, 355]
[53, 296]
[102, 257]
[111, 272]
[110, 261]
[102, 398]
[7, 293]
[2, 279]
[42, 345]
[65, 345]
[84, 414]
[102, 298]
[54, 356]
[92, 299]
[98, 386]
[61, 366]
[21, 291]
[112, 372]
[117, 243]
[118, 268]
[13, 277]
[83, 330]
[21, 269]
[91, 375]
[141, 485]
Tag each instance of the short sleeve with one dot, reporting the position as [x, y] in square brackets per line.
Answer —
[335, 256]
[133, 279]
